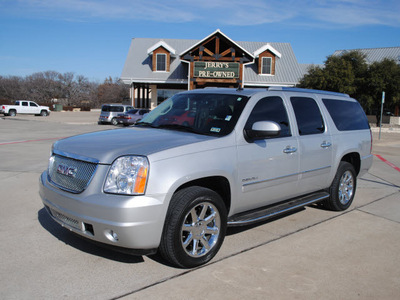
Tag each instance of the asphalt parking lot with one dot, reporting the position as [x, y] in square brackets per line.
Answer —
[310, 254]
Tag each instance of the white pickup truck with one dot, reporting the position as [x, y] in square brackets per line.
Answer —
[24, 107]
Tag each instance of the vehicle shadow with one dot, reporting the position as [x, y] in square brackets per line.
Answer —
[82, 244]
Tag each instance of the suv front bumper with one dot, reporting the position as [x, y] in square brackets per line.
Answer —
[128, 222]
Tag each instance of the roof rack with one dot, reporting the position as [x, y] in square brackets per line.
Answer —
[311, 91]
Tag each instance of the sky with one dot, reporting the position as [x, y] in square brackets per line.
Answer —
[92, 37]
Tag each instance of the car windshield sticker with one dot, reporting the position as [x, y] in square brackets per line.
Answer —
[215, 129]
[239, 99]
[228, 118]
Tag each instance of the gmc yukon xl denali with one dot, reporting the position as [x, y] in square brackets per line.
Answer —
[204, 160]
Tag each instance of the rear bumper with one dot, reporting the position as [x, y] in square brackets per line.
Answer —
[133, 224]
[366, 163]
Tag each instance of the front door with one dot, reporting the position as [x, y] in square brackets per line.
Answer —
[269, 168]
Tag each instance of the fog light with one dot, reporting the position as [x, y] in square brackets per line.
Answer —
[111, 235]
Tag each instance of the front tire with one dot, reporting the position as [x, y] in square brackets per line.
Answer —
[343, 188]
[44, 113]
[194, 228]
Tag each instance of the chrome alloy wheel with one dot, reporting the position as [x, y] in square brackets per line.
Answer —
[200, 229]
[346, 187]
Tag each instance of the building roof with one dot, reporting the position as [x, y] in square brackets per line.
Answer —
[138, 64]
[376, 54]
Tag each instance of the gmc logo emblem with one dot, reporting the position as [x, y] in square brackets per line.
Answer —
[67, 170]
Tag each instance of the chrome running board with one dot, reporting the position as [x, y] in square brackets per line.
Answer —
[269, 212]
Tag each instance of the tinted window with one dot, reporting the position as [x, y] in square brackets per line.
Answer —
[270, 109]
[116, 109]
[24, 103]
[32, 104]
[346, 115]
[308, 115]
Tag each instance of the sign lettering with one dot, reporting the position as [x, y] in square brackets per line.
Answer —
[218, 70]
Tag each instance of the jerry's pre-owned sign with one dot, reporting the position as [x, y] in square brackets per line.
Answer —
[221, 70]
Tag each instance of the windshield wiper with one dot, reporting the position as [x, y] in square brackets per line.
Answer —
[145, 124]
[180, 127]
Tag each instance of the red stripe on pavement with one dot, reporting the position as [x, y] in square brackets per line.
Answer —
[387, 162]
[28, 141]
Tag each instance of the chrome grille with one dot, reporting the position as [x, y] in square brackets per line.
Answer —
[70, 174]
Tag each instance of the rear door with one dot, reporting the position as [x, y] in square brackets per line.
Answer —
[268, 169]
[24, 109]
[315, 144]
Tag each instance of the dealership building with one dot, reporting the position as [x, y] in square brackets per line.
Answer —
[156, 69]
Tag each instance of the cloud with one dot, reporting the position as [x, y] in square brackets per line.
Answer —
[218, 12]
[357, 12]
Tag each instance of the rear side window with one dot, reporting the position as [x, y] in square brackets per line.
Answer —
[346, 115]
[116, 109]
[270, 109]
[308, 116]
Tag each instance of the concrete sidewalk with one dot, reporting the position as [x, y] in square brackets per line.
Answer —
[352, 256]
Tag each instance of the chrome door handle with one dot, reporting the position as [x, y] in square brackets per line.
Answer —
[326, 144]
[289, 150]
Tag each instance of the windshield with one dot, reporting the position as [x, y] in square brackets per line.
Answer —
[210, 114]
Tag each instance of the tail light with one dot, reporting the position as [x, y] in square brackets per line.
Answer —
[370, 132]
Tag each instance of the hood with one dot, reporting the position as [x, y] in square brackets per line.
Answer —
[106, 146]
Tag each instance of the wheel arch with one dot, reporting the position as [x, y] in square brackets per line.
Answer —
[218, 184]
[354, 159]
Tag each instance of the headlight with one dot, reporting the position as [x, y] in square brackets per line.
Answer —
[127, 176]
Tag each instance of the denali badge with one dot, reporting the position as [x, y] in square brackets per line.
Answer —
[67, 170]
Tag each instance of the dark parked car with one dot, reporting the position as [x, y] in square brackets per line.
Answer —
[132, 116]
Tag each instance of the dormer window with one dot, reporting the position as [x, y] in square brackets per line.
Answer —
[267, 57]
[161, 54]
[161, 62]
[266, 65]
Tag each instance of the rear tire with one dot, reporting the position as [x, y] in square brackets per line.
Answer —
[343, 188]
[194, 228]
[114, 121]
[12, 113]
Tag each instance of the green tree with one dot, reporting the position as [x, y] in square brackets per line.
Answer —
[384, 76]
[349, 73]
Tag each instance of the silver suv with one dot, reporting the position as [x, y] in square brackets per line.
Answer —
[109, 113]
[204, 160]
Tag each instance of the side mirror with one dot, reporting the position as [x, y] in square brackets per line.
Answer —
[262, 130]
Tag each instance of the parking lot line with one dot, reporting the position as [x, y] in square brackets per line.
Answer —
[388, 162]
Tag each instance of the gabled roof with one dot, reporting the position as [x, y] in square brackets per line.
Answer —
[138, 64]
[161, 44]
[265, 48]
[207, 37]
[375, 54]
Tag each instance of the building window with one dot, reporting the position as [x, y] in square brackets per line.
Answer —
[165, 94]
[161, 62]
[266, 66]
